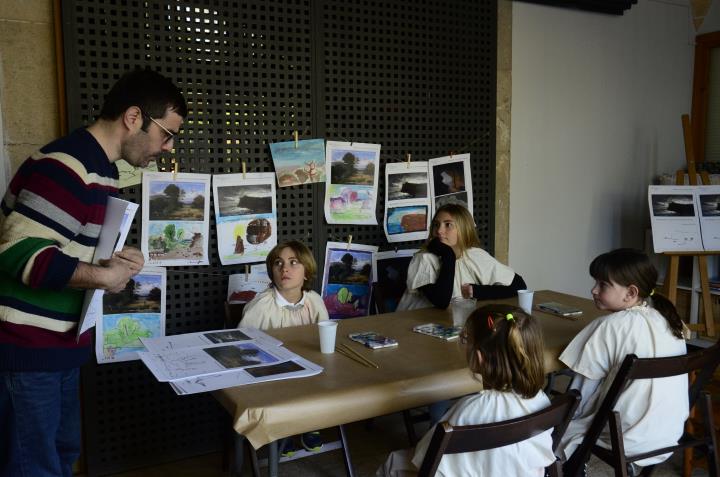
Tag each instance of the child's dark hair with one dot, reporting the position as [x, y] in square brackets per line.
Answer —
[511, 348]
[150, 91]
[302, 253]
[627, 266]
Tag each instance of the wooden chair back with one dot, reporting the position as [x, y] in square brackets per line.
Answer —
[448, 439]
[702, 363]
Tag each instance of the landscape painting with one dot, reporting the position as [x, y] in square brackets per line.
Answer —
[347, 279]
[177, 200]
[299, 163]
[407, 201]
[351, 194]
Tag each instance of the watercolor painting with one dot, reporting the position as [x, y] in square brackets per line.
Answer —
[407, 219]
[237, 200]
[136, 312]
[403, 186]
[449, 178]
[303, 164]
[177, 201]
[451, 182]
[351, 194]
[347, 280]
[175, 240]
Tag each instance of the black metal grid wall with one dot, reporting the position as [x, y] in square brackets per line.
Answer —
[416, 77]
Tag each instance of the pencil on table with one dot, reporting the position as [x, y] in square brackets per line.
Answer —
[352, 357]
[370, 363]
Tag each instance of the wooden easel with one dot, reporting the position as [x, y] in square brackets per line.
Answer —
[671, 279]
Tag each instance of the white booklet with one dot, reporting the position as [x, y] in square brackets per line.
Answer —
[206, 338]
[119, 215]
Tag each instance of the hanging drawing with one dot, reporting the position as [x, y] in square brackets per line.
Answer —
[451, 182]
[351, 193]
[407, 201]
[246, 216]
[175, 218]
[347, 279]
[300, 162]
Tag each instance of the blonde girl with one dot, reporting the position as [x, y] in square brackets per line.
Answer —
[452, 264]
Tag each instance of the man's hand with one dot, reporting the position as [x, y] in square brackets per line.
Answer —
[133, 256]
[116, 272]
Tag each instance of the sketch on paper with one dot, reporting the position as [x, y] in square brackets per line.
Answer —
[347, 279]
[407, 202]
[175, 218]
[246, 216]
[451, 182]
[136, 312]
[300, 163]
[351, 194]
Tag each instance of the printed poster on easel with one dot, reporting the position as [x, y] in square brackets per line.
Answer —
[708, 200]
[407, 201]
[674, 219]
[246, 216]
[347, 279]
[175, 218]
[136, 312]
[351, 189]
[451, 182]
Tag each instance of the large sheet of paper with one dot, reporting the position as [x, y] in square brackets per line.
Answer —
[246, 216]
[451, 182]
[300, 162]
[210, 360]
[119, 215]
[133, 314]
[175, 218]
[407, 201]
[674, 219]
[352, 182]
[347, 279]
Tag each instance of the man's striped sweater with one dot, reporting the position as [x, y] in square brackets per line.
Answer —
[51, 218]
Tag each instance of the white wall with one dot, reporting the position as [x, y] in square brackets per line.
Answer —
[596, 106]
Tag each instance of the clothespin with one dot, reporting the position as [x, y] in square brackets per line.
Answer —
[451, 154]
[295, 135]
[247, 272]
[175, 169]
[349, 241]
[408, 159]
[243, 169]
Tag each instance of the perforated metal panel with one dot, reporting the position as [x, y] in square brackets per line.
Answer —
[416, 77]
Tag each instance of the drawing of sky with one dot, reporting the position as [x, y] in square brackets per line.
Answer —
[146, 283]
[363, 157]
[285, 154]
[190, 189]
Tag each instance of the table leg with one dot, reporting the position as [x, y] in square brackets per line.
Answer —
[237, 465]
[273, 459]
[346, 452]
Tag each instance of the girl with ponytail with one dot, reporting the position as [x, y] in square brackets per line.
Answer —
[644, 323]
[504, 348]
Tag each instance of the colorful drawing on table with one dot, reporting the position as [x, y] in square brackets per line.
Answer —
[347, 279]
[175, 218]
[246, 216]
[300, 163]
[451, 181]
[392, 267]
[136, 312]
[350, 196]
[407, 219]
[240, 355]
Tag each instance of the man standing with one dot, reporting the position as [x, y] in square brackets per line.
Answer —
[50, 222]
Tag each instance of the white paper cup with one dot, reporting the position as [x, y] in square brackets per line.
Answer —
[461, 309]
[328, 330]
[525, 300]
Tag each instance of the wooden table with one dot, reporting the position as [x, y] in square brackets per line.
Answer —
[421, 370]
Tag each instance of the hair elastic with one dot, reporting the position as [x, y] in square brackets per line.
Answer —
[509, 317]
[490, 322]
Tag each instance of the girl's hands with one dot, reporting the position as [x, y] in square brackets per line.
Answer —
[436, 247]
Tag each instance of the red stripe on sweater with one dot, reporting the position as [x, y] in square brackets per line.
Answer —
[40, 267]
[33, 337]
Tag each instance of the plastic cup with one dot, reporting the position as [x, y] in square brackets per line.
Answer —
[328, 330]
[525, 300]
[461, 309]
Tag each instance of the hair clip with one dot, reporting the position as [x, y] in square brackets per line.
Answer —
[490, 322]
[652, 292]
[509, 317]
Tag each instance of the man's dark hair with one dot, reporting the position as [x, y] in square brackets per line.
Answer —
[150, 91]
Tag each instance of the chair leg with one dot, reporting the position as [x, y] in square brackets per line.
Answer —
[253, 459]
[346, 452]
[237, 465]
[273, 459]
[712, 453]
[618, 447]
[409, 428]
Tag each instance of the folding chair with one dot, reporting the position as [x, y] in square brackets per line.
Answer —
[703, 362]
[455, 440]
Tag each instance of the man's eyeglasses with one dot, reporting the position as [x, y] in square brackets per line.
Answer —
[169, 135]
